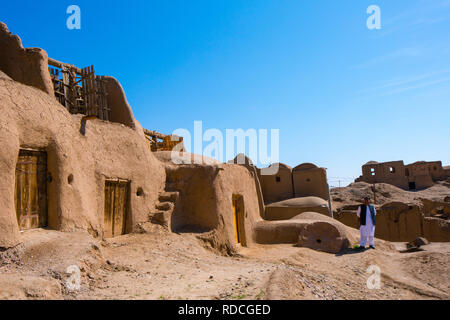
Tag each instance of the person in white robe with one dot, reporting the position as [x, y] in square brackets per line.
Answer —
[367, 214]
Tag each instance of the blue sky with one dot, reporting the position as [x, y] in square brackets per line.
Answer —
[339, 93]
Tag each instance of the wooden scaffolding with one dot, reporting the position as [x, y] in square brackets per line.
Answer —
[161, 142]
[80, 91]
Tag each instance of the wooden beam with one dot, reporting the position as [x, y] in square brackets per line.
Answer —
[59, 64]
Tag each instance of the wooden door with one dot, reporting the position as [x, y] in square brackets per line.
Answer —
[31, 189]
[116, 207]
[239, 219]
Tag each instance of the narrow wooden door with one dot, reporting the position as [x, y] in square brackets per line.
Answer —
[116, 207]
[239, 219]
[31, 189]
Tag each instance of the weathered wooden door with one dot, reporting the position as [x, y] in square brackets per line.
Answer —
[116, 207]
[31, 189]
[238, 219]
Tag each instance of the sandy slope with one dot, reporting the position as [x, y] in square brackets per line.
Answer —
[170, 266]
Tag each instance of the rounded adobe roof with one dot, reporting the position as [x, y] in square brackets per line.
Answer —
[281, 165]
[301, 202]
[305, 166]
[242, 159]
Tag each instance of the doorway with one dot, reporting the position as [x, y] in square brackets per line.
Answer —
[412, 186]
[116, 207]
[239, 219]
[30, 196]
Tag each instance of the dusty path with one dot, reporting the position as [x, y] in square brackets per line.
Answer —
[170, 266]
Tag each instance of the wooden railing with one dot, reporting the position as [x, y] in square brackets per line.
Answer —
[161, 142]
[79, 90]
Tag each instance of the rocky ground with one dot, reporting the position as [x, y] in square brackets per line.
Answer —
[164, 265]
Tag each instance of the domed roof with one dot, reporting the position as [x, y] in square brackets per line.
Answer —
[242, 159]
[281, 166]
[305, 166]
[302, 202]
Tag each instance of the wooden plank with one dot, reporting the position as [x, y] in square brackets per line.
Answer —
[116, 207]
[66, 83]
[30, 195]
[235, 222]
[109, 210]
[239, 219]
[120, 208]
[42, 189]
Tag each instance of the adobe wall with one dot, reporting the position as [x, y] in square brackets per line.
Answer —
[310, 180]
[422, 181]
[277, 187]
[422, 168]
[28, 66]
[33, 119]
[398, 221]
[423, 174]
[437, 230]
[392, 172]
[348, 217]
[205, 205]
[120, 110]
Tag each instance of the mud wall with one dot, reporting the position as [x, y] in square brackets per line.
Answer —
[120, 110]
[33, 119]
[436, 229]
[27, 66]
[205, 204]
[399, 222]
[277, 187]
[310, 180]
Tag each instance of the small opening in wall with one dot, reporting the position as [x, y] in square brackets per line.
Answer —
[319, 241]
[278, 179]
[308, 180]
[70, 178]
[372, 171]
[140, 192]
[392, 170]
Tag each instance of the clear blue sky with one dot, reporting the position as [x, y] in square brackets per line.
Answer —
[340, 94]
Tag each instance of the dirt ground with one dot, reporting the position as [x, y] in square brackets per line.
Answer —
[164, 265]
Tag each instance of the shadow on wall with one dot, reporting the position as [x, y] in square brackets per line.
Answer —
[197, 205]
